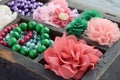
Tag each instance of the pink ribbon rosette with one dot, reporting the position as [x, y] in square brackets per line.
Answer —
[103, 31]
[62, 17]
[70, 58]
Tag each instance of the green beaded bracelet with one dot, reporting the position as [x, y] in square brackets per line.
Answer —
[32, 25]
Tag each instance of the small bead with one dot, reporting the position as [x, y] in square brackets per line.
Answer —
[12, 41]
[5, 44]
[45, 36]
[41, 48]
[46, 42]
[45, 30]
[33, 54]
[15, 34]
[2, 42]
[17, 29]
[16, 47]
[26, 38]
[24, 51]
[38, 27]
[31, 25]
[22, 42]
[23, 26]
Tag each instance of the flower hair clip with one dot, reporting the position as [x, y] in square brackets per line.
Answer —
[79, 24]
[96, 28]
[70, 58]
[56, 13]
[103, 31]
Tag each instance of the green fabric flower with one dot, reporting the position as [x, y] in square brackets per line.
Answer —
[77, 26]
[88, 14]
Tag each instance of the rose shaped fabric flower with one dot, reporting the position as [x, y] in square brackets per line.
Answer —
[88, 14]
[103, 31]
[77, 26]
[62, 17]
[70, 58]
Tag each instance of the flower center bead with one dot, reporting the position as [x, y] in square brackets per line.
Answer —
[63, 16]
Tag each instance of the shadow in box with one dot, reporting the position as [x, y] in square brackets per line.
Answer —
[14, 71]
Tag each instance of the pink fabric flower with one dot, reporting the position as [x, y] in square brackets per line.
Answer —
[62, 17]
[45, 13]
[62, 3]
[103, 31]
[41, 14]
[70, 58]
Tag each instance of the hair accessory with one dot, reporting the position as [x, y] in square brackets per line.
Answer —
[103, 31]
[62, 17]
[49, 13]
[77, 26]
[88, 14]
[70, 58]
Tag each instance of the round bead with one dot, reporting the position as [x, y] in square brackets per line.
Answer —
[2, 42]
[16, 47]
[45, 36]
[46, 42]
[9, 28]
[27, 38]
[24, 51]
[21, 42]
[5, 44]
[33, 54]
[12, 41]
[38, 27]
[17, 29]
[23, 26]
[15, 34]
[3, 34]
[30, 35]
[5, 31]
[45, 30]
[41, 48]
[1, 38]
[31, 25]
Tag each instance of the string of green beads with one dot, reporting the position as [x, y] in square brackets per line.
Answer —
[24, 50]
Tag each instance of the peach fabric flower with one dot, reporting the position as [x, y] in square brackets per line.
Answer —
[62, 17]
[70, 58]
[103, 31]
